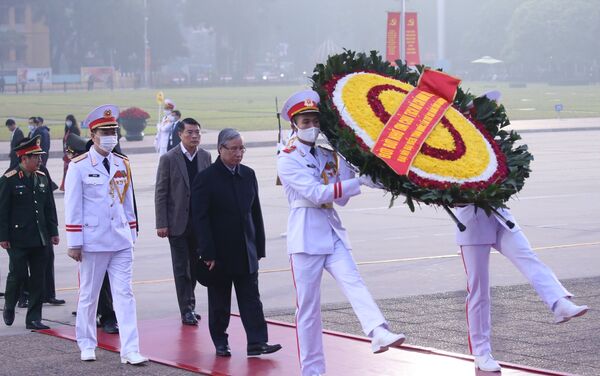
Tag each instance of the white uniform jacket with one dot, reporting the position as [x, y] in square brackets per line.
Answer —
[481, 228]
[99, 214]
[312, 185]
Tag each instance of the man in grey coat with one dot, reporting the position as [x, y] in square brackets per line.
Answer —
[176, 172]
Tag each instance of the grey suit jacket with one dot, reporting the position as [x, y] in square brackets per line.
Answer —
[172, 191]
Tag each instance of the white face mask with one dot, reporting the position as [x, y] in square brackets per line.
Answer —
[171, 118]
[69, 123]
[108, 143]
[308, 135]
[31, 127]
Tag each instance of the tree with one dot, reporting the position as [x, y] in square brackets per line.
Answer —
[556, 39]
[110, 32]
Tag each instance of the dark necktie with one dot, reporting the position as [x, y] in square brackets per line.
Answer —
[106, 165]
[313, 151]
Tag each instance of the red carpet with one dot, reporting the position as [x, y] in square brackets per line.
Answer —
[169, 342]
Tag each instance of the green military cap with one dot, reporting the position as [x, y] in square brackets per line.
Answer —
[29, 146]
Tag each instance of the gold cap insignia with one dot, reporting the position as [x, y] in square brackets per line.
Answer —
[107, 113]
[309, 103]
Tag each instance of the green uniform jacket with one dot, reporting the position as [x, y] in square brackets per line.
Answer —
[27, 210]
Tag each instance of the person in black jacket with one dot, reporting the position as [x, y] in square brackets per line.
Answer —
[16, 136]
[174, 138]
[71, 127]
[227, 220]
[44, 133]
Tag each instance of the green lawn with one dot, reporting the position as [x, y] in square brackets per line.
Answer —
[253, 108]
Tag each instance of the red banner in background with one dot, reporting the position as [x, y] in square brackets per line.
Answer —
[392, 44]
[411, 38]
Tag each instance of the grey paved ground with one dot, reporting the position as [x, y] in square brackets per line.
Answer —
[403, 257]
[523, 333]
[523, 330]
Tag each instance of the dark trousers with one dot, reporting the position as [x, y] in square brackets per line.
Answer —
[20, 261]
[49, 287]
[105, 304]
[185, 260]
[251, 309]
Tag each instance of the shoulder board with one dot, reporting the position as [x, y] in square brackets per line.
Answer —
[291, 140]
[289, 149]
[121, 155]
[40, 172]
[326, 147]
[10, 173]
[80, 158]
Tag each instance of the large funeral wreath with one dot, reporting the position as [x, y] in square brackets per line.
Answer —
[467, 158]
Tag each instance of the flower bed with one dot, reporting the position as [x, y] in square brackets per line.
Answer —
[134, 113]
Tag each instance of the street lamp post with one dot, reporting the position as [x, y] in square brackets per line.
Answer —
[441, 30]
[403, 32]
[146, 47]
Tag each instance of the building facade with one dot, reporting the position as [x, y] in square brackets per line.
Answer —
[24, 37]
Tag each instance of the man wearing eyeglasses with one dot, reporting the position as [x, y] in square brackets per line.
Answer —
[228, 223]
[177, 170]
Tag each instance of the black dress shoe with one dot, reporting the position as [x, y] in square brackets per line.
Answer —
[1, 294]
[262, 348]
[189, 319]
[197, 316]
[55, 301]
[223, 350]
[110, 328]
[36, 325]
[23, 303]
[9, 316]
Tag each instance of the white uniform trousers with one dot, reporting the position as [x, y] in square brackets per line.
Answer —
[92, 268]
[515, 246]
[307, 271]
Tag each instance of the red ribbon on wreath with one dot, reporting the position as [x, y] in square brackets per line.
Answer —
[405, 132]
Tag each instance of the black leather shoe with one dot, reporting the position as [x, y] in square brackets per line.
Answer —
[23, 303]
[262, 348]
[9, 316]
[36, 325]
[1, 294]
[189, 319]
[223, 350]
[197, 316]
[55, 301]
[110, 328]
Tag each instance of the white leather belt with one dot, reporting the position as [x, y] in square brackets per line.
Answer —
[303, 203]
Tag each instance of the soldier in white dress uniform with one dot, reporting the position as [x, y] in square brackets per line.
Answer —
[101, 231]
[314, 179]
[164, 128]
[482, 233]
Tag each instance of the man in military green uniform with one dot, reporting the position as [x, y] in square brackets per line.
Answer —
[27, 222]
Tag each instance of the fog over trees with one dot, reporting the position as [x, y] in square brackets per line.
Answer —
[537, 40]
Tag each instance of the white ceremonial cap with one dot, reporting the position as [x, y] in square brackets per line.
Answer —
[300, 102]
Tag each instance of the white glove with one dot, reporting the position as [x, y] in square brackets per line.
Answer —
[368, 181]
